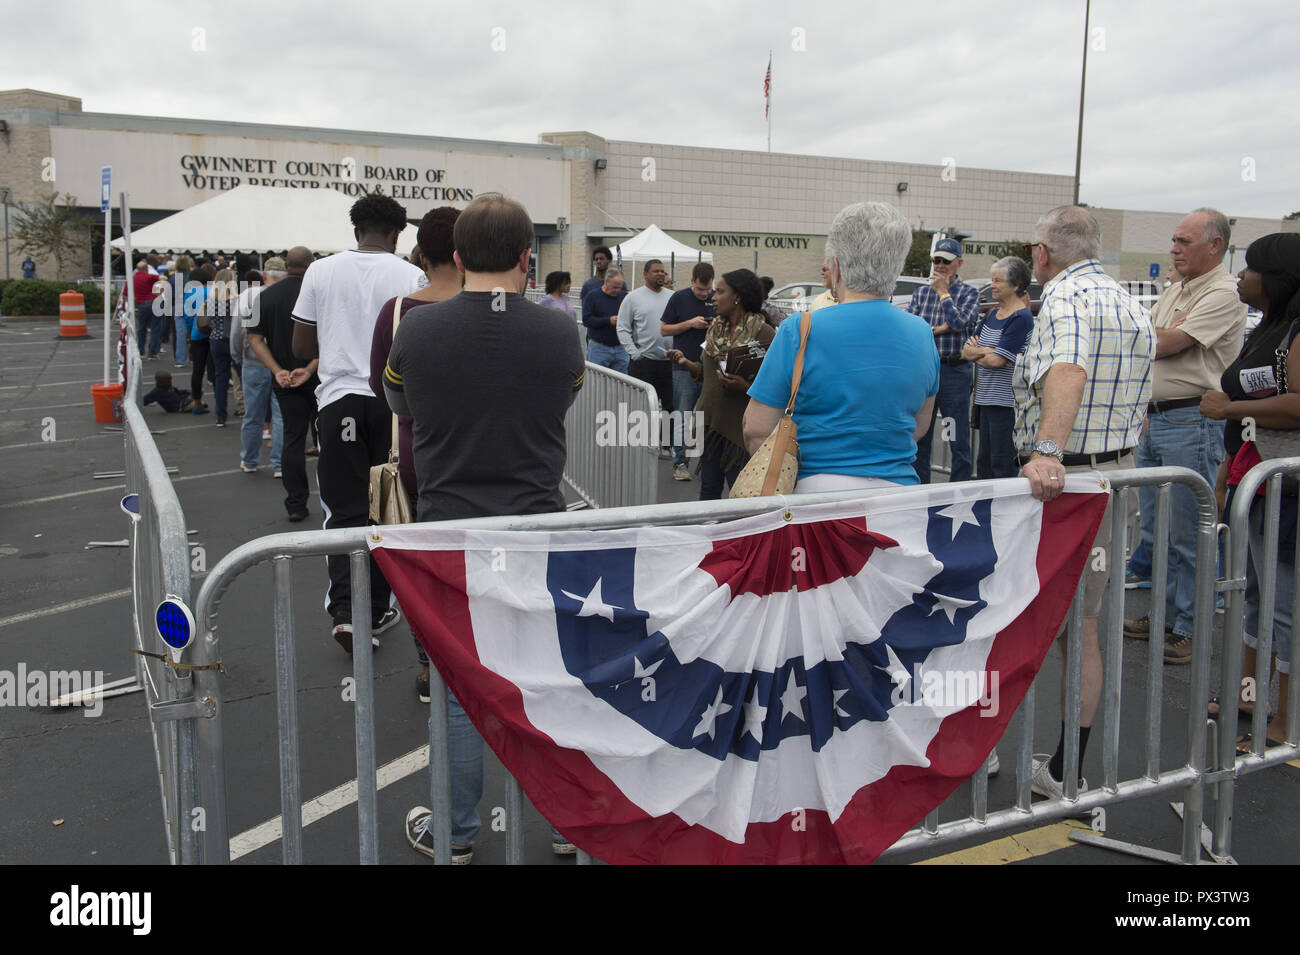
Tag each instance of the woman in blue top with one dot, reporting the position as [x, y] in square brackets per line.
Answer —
[195, 304]
[871, 370]
[1001, 337]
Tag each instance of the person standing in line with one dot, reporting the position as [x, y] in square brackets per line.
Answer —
[557, 294]
[953, 310]
[1082, 385]
[600, 259]
[220, 305]
[488, 423]
[600, 314]
[147, 329]
[293, 379]
[1001, 337]
[337, 305]
[176, 302]
[686, 317]
[195, 307]
[435, 252]
[257, 379]
[773, 314]
[638, 332]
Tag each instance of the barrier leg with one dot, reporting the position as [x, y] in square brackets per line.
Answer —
[286, 693]
[363, 673]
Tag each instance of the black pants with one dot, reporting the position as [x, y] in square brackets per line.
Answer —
[199, 356]
[712, 473]
[354, 433]
[658, 374]
[298, 410]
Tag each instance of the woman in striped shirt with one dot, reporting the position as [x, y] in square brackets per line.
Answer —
[1001, 337]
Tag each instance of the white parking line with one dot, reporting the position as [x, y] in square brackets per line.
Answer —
[64, 608]
[102, 434]
[112, 487]
[340, 797]
[52, 384]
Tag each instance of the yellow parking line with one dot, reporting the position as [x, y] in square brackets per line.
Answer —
[1025, 845]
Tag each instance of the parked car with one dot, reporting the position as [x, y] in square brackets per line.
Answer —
[904, 287]
[796, 297]
[1035, 293]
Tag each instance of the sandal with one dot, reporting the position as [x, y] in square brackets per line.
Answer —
[1242, 713]
[1244, 744]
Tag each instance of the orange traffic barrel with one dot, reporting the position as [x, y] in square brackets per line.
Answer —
[72, 315]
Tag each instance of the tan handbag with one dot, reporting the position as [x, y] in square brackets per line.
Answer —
[389, 502]
[774, 468]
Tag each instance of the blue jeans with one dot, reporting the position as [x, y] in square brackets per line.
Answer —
[997, 454]
[466, 774]
[1185, 438]
[953, 400]
[182, 338]
[1284, 587]
[610, 356]
[686, 392]
[148, 329]
[257, 395]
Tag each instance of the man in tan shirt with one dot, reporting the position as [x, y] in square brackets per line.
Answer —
[1199, 323]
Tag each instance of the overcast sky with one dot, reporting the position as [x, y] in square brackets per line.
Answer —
[1188, 103]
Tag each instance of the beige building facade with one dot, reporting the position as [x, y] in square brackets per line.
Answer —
[765, 211]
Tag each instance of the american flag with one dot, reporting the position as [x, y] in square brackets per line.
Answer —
[765, 690]
[767, 88]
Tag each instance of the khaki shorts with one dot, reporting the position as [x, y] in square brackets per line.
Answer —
[1095, 586]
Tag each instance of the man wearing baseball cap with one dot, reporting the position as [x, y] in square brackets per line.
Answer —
[953, 309]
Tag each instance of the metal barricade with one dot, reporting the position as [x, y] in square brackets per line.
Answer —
[1229, 765]
[182, 703]
[1191, 777]
[614, 430]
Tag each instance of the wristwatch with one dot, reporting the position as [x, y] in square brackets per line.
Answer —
[1049, 448]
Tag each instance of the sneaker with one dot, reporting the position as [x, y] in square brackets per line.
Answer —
[1141, 629]
[296, 516]
[246, 469]
[1045, 784]
[421, 839]
[387, 622]
[221, 422]
[1178, 649]
[422, 684]
[277, 473]
[562, 847]
[994, 764]
[178, 364]
[665, 454]
[343, 637]
[1133, 582]
[266, 434]
[200, 409]
[681, 472]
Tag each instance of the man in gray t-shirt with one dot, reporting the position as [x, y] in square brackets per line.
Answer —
[486, 377]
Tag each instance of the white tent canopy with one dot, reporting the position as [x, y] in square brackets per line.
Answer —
[254, 218]
[654, 243]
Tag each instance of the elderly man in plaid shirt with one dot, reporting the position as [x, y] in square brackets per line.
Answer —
[1082, 385]
[953, 310]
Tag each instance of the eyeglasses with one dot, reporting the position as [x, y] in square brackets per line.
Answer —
[939, 261]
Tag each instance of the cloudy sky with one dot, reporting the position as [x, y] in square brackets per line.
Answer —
[1188, 103]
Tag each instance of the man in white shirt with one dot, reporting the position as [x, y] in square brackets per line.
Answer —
[638, 333]
[334, 319]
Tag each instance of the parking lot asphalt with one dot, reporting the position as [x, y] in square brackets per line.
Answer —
[83, 789]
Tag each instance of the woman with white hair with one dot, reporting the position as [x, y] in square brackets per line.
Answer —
[870, 371]
[1001, 337]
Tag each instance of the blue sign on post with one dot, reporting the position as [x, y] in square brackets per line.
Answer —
[105, 187]
[1155, 270]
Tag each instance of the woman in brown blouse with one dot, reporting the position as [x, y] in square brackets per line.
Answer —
[734, 348]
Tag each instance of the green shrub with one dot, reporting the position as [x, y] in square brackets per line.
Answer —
[41, 297]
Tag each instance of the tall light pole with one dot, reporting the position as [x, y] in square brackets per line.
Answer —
[4, 197]
[1083, 82]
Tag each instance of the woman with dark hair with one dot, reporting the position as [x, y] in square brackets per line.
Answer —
[1001, 337]
[1263, 388]
[176, 304]
[220, 301]
[434, 240]
[557, 294]
[733, 350]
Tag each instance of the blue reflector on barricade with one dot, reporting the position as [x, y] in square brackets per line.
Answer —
[175, 623]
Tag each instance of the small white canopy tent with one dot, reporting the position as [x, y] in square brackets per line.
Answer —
[254, 218]
[654, 243]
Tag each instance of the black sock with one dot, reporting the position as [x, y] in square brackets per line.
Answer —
[1056, 766]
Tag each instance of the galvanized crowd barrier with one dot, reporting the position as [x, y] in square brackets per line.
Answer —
[1229, 765]
[613, 430]
[182, 702]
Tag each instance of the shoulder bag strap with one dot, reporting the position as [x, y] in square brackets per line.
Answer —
[394, 454]
[805, 325]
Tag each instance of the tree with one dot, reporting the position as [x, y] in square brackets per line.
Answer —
[918, 257]
[1292, 217]
[54, 228]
